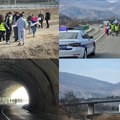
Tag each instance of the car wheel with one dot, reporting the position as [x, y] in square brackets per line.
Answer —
[94, 49]
[85, 53]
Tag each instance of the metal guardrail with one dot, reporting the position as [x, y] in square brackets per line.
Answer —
[94, 100]
[26, 6]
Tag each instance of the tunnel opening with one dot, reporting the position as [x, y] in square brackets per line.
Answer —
[13, 93]
[40, 82]
[20, 96]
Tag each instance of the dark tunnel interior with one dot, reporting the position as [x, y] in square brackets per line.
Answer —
[40, 81]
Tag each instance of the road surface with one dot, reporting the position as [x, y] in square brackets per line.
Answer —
[106, 46]
[17, 113]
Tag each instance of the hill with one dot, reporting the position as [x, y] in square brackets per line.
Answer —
[90, 9]
[86, 86]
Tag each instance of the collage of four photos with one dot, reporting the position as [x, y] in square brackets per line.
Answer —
[59, 60]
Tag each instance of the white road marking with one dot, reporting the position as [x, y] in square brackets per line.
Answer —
[100, 37]
[5, 115]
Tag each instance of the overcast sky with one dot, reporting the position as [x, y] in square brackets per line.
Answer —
[106, 70]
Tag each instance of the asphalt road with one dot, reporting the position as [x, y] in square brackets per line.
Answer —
[107, 47]
[17, 113]
[96, 32]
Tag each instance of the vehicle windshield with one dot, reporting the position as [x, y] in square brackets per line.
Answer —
[68, 35]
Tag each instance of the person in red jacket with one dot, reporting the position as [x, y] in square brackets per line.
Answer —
[34, 21]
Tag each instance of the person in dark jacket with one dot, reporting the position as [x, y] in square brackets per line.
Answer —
[8, 25]
[41, 18]
[16, 17]
[47, 18]
[29, 20]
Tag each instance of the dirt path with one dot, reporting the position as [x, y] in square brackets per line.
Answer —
[44, 45]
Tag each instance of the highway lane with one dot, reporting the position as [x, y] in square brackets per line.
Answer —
[96, 33]
[17, 113]
[107, 47]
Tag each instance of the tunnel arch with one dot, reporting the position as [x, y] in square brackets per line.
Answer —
[39, 77]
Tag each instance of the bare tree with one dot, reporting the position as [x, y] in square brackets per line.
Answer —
[71, 108]
[69, 99]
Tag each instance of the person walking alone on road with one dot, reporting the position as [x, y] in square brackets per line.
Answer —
[29, 20]
[47, 18]
[21, 23]
[34, 24]
[2, 28]
[41, 18]
[8, 25]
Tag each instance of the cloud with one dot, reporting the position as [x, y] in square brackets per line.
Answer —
[112, 1]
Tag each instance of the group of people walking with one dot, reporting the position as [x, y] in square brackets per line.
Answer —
[38, 19]
[17, 24]
[112, 29]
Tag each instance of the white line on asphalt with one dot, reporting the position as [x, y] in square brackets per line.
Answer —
[90, 30]
[5, 115]
[100, 37]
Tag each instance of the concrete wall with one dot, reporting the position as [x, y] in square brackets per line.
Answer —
[90, 109]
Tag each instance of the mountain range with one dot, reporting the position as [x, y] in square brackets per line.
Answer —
[87, 86]
[90, 9]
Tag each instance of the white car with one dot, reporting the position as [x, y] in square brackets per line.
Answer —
[75, 43]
